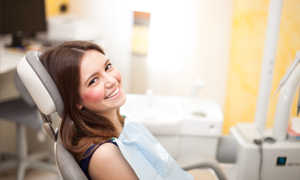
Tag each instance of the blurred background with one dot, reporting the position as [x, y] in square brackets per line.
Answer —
[166, 45]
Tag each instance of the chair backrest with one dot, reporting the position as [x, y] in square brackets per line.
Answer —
[46, 96]
[23, 91]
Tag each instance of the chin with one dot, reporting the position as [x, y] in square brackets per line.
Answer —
[123, 99]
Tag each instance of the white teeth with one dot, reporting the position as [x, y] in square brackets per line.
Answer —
[114, 93]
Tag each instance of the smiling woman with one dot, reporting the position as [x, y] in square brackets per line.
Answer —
[91, 89]
[100, 85]
[92, 92]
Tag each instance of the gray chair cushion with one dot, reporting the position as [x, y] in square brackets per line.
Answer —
[68, 167]
[17, 110]
[46, 79]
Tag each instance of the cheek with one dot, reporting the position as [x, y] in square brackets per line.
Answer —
[93, 95]
[118, 76]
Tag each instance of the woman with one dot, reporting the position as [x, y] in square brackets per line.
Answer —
[92, 92]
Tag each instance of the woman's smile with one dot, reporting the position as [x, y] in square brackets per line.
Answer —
[114, 94]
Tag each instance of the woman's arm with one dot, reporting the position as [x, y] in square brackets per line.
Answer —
[108, 163]
[196, 178]
[194, 174]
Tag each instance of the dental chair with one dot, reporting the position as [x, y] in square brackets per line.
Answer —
[48, 100]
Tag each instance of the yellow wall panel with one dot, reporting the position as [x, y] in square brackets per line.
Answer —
[248, 36]
[140, 39]
[53, 6]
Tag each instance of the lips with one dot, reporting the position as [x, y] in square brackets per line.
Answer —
[113, 94]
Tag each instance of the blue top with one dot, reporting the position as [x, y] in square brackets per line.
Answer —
[85, 162]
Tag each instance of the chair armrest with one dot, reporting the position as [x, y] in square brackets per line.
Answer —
[201, 161]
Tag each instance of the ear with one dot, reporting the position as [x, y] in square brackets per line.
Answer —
[79, 106]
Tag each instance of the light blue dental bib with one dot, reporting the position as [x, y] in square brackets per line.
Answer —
[147, 157]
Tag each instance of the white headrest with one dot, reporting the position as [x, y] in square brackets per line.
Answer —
[39, 84]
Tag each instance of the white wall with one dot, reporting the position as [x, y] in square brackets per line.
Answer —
[188, 40]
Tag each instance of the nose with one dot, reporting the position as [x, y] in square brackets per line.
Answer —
[110, 81]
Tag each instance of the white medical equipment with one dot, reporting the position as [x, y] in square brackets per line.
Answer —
[184, 126]
[262, 153]
[191, 125]
[258, 155]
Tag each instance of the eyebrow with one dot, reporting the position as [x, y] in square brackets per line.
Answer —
[96, 72]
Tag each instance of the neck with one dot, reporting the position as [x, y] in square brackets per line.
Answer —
[113, 117]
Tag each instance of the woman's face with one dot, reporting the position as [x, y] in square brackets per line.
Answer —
[100, 87]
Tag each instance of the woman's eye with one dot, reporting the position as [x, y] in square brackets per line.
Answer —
[93, 81]
[108, 67]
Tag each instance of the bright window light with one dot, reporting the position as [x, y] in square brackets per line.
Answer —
[167, 35]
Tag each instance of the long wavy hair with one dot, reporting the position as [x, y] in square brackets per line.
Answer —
[63, 64]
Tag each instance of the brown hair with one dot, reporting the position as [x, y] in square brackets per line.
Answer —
[63, 64]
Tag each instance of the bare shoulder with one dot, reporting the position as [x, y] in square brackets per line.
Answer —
[108, 162]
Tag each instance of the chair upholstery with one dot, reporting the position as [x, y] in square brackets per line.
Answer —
[23, 91]
[22, 110]
[45, 94]
[18, 111]
[66, 163]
